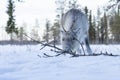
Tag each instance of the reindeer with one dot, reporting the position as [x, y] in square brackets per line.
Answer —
[74, 31]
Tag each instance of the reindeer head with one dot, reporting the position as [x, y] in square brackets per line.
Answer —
[69, 40]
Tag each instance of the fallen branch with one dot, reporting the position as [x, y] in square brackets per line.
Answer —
[98, 54]
[47, 44]
[60, 51]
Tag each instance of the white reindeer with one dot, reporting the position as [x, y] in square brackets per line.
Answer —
[74, 30]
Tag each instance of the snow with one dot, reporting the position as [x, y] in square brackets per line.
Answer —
[23, 63]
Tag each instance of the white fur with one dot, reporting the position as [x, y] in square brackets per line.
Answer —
[74, 24]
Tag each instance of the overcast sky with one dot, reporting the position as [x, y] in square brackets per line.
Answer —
[39, 9]
[30, 10]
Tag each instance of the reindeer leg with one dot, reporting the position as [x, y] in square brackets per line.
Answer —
[87, 46]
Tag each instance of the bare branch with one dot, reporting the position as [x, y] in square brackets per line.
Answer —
[60, 51]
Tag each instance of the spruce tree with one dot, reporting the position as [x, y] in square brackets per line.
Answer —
[86, 10]
[11, 28]
[56, 31]
[106, 28]
[91, 29]
[46, 35]
[98, 26]
[115, 26]
[102, 31]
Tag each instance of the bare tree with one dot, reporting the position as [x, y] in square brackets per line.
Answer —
[112, 4]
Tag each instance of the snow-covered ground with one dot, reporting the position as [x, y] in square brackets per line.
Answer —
[23, 63]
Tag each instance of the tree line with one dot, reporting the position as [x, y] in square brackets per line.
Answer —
[104, 26]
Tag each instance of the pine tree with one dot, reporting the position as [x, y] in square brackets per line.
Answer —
[94, 26]
[34, 34]
[46, 35]
[106, 28]
[11, 28]
[56, 31]
[98, 26]
[102, 31]
[115, 26]
[34, 31]
[91, 29]
[21, 33]
[86, 10]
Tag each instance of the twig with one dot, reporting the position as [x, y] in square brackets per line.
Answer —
[43, 43]
[50, 55]
[39, 56]
[47, 55]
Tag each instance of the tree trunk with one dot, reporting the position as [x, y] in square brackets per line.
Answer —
[11, 36]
